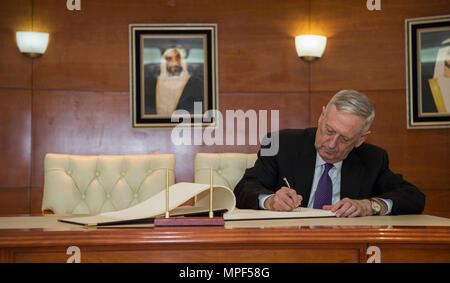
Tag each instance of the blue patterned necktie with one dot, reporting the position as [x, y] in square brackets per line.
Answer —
[324, 189]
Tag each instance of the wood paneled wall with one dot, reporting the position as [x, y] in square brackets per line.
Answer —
[75, 98]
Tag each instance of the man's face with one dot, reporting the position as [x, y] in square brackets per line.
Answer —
[173, 59]
[337, 134]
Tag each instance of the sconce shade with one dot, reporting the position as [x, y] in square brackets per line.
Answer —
[32, 44]
[310, 47]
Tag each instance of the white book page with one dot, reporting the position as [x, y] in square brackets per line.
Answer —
[301, 212]
[223, 198]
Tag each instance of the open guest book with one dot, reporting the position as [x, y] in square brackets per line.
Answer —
[223, 201]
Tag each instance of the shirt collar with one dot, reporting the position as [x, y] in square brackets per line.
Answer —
[320, 162]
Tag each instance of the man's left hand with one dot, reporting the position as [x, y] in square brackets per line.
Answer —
[351, 207]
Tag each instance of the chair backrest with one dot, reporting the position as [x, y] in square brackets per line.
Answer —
[76, 184]
[228, 168]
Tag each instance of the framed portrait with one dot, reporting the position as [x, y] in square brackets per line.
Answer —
[428, 72]
[173, 75]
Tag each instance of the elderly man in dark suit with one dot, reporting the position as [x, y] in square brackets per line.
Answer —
[330, 167]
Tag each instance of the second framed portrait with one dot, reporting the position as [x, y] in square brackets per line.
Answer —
[428, 72]
[173, 76]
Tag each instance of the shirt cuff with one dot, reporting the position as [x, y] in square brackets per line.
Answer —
[389, 204]
[261, 199]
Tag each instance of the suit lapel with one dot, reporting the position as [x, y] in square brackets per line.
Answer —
[305, 163]
[351, 176]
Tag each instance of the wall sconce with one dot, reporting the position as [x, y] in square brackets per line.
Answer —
[32, 44]
[310, 47]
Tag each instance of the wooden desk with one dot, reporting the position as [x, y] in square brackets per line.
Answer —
[275, 241]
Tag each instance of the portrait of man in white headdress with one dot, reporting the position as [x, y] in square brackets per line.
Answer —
[440, 83]
[172, 86]
[434, 97]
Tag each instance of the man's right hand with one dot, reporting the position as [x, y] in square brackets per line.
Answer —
[285, 199]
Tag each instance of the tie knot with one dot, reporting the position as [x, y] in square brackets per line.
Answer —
[328, 166]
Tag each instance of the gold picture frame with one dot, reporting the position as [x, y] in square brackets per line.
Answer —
[428, 72]
[173, 75]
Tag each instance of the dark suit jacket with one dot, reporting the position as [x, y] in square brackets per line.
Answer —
[365, 173]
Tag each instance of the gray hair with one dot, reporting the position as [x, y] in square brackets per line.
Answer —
[354, 102]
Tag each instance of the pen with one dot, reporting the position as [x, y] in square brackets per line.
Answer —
[289, 186]
[287, 183]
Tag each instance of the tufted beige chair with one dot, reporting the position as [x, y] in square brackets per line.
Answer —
[76, 184]
[228, 168]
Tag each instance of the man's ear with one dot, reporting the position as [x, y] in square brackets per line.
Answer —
[362, 139]
[322, 115]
